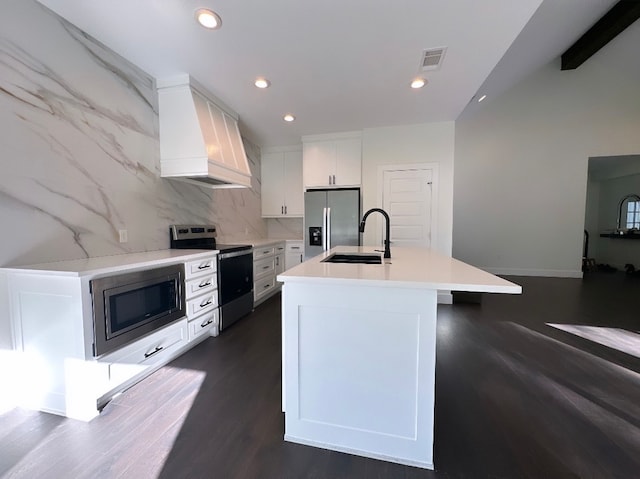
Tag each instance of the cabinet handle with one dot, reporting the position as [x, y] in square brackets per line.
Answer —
[202, 305]
[204, 266]
[202, 285]
[266, 252]
[204, 325]
[277, 261]
[267, 286]
[301, 258]
[295, 247]
[285, 209]
[334, 179]
[151, 353]
[265, 267]
[329, 179]
[282, 210]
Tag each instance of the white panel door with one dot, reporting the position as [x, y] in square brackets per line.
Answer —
[407, 197]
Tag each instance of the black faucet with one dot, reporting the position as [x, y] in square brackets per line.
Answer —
[387, 249]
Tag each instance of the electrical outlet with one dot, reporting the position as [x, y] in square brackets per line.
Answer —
[123, 236]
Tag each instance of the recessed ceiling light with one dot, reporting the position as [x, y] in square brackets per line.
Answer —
[418, 83]
[262, 83]
[288, 117]
[482, 98]
[208, 18]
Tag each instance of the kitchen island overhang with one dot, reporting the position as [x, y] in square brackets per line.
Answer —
[359, 350]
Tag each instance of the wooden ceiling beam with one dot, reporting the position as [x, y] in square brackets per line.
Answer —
[614, 22]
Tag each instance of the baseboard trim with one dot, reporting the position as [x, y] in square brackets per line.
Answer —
[445, 297]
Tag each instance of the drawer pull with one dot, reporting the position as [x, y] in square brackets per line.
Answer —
[265, 267]
[266, 286]
[202, 285]
[209, 301]
[295, 247]
[204, 266]
[151, 353]
[206, 323]
[266, 252]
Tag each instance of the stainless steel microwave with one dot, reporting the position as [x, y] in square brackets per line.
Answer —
[131, 305]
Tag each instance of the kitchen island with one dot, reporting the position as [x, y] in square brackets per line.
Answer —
[359, 350]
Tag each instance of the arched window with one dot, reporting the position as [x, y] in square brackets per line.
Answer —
[633, 214]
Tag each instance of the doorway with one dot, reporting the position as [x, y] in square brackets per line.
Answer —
[610, 180]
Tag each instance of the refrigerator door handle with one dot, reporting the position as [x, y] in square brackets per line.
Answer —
[324, 229]
[328, 229]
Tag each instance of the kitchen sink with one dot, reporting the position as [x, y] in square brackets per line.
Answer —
[356, 258]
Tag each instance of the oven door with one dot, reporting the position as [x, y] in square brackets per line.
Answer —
[235, 275]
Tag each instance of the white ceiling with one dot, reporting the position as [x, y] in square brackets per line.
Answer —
[337, 65]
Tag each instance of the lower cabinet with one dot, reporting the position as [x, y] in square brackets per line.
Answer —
[268, 262]
[202, 298]
[294, 254]
[53, 332]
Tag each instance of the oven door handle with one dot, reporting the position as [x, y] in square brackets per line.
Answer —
[235, 253]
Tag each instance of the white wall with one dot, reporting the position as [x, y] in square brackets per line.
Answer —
[422, 143]
[521, 167]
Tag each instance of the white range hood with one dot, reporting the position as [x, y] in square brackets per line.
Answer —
[199, 138]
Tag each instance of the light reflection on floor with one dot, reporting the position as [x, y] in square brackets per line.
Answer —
[615, 338]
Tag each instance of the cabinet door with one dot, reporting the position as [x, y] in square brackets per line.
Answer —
[348, 162]
[272, 184]
[292, 183]
[279, 263]
[319, 163]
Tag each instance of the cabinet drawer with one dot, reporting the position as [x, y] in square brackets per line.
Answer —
[201, 285]
[263, 267]
[203, 324]
[263, 252]
[294, 247]
[147, 352]
[263, 287]
[202, 303]
[199, 267]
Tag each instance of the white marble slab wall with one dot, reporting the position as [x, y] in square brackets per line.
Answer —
[79, 151]
[288, 228]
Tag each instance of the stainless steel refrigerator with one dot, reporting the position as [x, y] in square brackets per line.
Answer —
[331, 218]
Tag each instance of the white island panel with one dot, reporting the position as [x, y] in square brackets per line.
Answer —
[360, 370]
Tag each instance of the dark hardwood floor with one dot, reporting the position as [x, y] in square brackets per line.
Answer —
[515, 398]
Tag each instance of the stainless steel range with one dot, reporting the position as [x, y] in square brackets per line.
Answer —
[235, 269]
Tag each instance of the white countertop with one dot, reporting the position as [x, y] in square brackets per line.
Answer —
[260, 242]
[111, 264]
[407, 268]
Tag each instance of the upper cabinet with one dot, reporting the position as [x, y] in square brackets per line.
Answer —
[282, 192]
[199, 137]
[332, 160]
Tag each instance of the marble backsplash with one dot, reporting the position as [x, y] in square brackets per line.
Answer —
[287, 228]
[79, 151]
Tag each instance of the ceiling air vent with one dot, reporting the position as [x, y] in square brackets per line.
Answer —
[432, 58]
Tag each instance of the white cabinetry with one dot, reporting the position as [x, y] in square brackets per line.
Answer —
[282, 192]
[332, 160]
[294, 254]
[51, 315]
[201, 289]
[268, 261]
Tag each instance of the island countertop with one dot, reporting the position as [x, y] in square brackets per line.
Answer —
[408, 268]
